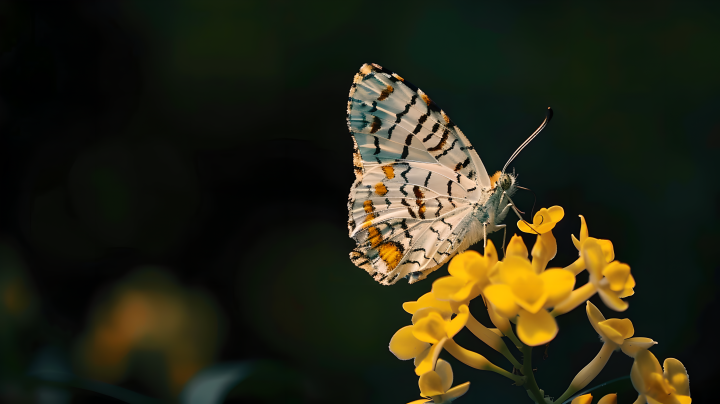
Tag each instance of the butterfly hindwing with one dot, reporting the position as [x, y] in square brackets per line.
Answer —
[417, 179]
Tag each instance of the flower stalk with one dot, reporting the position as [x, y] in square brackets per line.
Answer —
[531, 385]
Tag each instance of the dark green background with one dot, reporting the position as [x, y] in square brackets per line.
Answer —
[208, 138]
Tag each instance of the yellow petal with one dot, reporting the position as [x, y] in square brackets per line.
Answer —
[644, 366]
[544, 250]
[426, 361]
[430, 328]
[422, 356]
[514, 267]
[421, 401]
[516, 247]
[494, 273]
[615, 329]
[490, 255]
[558, 285]
[676, 375]
[501, 297]
[611, 299]
[607, 249]
[608, 399]
[583, 229]
[455, 392]
[454, 326]
[536, 328]
[525, 227]
[446, 287]
[556, 213]
[529, 291]
[629, 285]
[425, 311]
[584, 399]
[460, 265]
[632, 346]
[405, 346]
[468, 292]
[430, 384]
[444, 369]
[594, 258]
[622, 325]
[427, 300]
[595, 316]
[617, 274]
[683, 399]
[661, 385]
[576, 243]
[501, 322]
[542, 221]
[410, 307]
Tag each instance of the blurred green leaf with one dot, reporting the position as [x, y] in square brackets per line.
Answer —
[267, 380]
[211, 385]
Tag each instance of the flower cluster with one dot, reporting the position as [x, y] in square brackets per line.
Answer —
[523, 297]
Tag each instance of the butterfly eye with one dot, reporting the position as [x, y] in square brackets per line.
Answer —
[505, 181]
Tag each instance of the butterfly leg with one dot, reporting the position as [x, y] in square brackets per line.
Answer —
[512, 204]
[504, 227]
[484, 236]
[504, 212]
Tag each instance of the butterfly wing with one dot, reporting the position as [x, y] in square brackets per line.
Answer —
[417, 178]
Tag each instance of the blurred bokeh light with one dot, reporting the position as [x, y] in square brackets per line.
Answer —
[152, 329]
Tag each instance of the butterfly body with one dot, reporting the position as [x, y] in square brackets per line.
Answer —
[421, 193]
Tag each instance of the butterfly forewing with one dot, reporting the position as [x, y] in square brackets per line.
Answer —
[417, 178]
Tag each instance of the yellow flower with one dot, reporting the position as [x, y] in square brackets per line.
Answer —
[543, 221]
[612, 280]
[432, 328]
[545, 247]
[518, 290]
[435, 385]
[615, 333]
[432, 331]
[657, 387]
[606, 245]
[468, 276]
[429, 300]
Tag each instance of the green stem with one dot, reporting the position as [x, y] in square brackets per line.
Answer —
[530, 383]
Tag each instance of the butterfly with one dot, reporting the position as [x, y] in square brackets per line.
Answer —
[421, 193]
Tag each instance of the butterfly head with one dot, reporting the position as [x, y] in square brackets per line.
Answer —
[503, 180]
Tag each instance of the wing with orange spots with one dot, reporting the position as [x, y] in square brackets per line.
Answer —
[393, 121]
[418, 179]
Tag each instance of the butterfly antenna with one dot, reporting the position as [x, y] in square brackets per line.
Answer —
[525, 143]
[532, 211]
